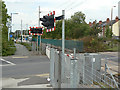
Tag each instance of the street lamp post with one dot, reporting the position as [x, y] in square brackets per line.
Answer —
[8, 25]
[11, 21]
[112, 16]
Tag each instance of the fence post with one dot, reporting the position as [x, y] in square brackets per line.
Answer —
[32, 45]
[93, 60]
[59, 70]
[52, 67]
[83, 68]
[73, 74]
[74, 53]
[105, 70]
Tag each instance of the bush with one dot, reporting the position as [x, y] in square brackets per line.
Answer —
[93, 44]
[8, 48]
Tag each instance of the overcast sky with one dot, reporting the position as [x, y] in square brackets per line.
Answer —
[28, 10]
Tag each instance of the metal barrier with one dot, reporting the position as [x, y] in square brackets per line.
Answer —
[84, 71]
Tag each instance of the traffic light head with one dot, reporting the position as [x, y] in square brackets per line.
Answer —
[48, 21]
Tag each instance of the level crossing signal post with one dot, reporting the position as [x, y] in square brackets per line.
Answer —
[36, 31]
[48, 21]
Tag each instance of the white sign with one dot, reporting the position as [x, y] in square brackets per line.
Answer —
[93, 59]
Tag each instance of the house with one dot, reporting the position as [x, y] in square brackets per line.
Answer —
[115, 27]
[17, 33]
[25, 32]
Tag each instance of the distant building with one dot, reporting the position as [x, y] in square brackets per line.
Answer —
[115, 27]
[17, 33]
[25, 32]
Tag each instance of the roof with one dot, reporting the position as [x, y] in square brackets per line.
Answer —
[105, 23]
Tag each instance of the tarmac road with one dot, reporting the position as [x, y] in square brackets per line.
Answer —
[24, 69]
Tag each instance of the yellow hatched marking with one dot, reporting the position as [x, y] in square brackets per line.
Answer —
[20, 57]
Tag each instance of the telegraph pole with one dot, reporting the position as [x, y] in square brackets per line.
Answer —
[39, 17]
[21, 31]
[37, 44]
[11, 24]
[39, 26]
[112, 16]
[38, 35]
[9, 27]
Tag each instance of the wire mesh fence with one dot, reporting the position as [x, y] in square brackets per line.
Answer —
[84, 71]
[69, 44]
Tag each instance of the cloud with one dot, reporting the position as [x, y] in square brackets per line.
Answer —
[28, 9]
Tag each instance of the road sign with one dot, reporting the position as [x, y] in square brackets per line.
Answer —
[11, 35]
[36, 31]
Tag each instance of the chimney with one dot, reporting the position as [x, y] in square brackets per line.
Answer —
[100, 22]
[90, 24]
[116, 19]
[94, 22]
[108, 20]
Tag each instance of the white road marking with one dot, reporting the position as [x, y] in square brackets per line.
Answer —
[7, 62]
[5, 65]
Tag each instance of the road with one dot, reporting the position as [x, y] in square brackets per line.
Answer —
[23, 66]
[26, 66]
[112, 59]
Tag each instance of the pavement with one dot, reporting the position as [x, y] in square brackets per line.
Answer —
[33, 82]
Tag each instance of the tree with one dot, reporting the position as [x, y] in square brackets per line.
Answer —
[75, 28]
[6, 50]
[108, 32]
[78, 17]
[95, 30]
